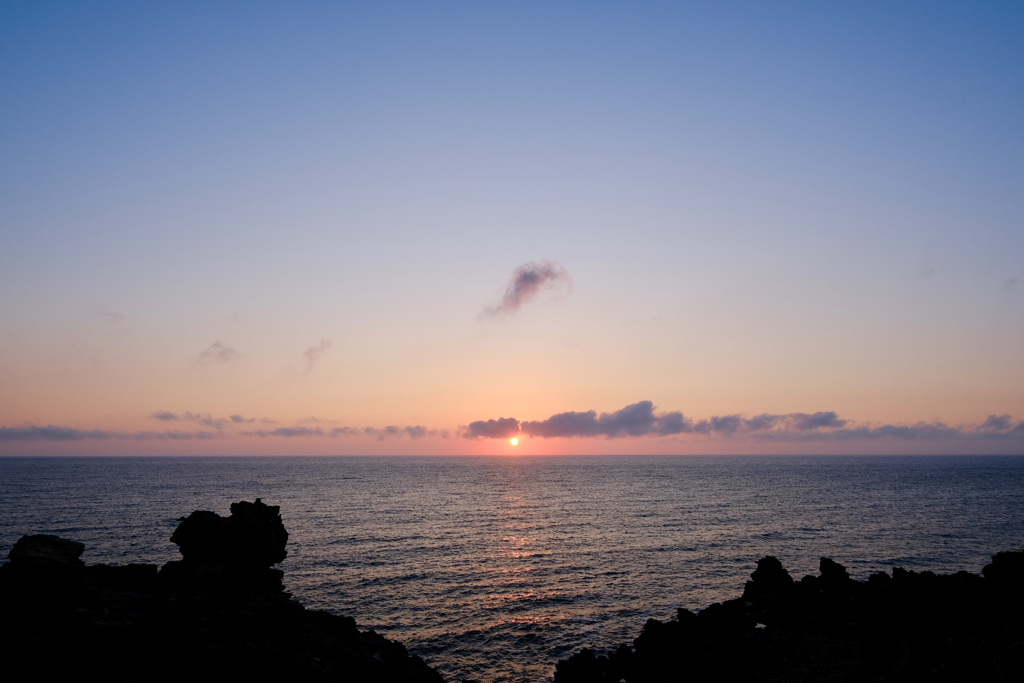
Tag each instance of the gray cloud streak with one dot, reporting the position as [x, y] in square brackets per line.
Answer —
[411, 431]
[527, 280]
[205, 419]
[313, 353]
[218, 352]
[55, 433]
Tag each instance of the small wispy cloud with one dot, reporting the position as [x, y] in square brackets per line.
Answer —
[527, 281]
[391, 431]
[314, 353]
[290, 432]
[218, 352]
[924, 266]
[175, 435]
[109, 316]
[206, 419]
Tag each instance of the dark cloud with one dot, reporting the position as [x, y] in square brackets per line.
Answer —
[672, 423]
[996, 423]
[313, 353]
[502, 428]
[174, 435]
[729, 425]
[290, 432]
[763, 421]
[412, 431]
[205, 419]
[416, 432]
[920, 430]
[638, 419]
[527, 280]
[55, 433]
[218, 352]
[725, 424]
[802, 422]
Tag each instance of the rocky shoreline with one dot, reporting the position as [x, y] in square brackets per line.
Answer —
[222, 612]
[904, 626]
[219, 613]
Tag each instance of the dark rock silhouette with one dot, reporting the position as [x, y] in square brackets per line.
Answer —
[911, 626]
[1006, 570]
[239, 549]
[44, 550]
[251, 539]
[769, 577]
[219, 613]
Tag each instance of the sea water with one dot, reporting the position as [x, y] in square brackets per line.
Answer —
[494, 568]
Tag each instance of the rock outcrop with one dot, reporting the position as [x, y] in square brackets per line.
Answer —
[909, 626]
[219, 613]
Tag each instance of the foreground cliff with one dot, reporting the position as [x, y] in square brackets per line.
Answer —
[221, 612]
[906, 626]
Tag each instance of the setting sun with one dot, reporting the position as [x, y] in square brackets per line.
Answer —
[514, 441]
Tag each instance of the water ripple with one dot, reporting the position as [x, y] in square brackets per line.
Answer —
[493, 568]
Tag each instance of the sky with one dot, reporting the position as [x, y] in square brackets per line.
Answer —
[430, 227]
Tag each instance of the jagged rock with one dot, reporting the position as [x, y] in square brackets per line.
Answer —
[879, 579]
[259, 536]
[583, 666]
[46, 549]
[1006, 569]
[833, 572]
[130, 624]
[910, 628]
[251, 539]
[769, 577]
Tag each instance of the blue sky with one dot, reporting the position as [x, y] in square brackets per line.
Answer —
[761, 208]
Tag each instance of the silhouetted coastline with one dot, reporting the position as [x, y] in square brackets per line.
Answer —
[907, 626]
[219, 613]
[222, 612]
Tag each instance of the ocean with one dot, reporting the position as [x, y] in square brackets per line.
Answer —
[493, 568]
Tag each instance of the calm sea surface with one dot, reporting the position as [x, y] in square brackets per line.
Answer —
[494, 568]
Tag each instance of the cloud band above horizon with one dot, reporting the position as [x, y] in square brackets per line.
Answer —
[637, 420]
[640, 420]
